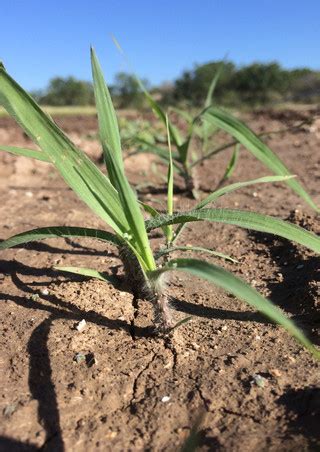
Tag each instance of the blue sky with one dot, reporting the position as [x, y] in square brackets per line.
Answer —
[42, 39]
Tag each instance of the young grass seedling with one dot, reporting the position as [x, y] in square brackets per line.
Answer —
[112, 199]
[204, 124]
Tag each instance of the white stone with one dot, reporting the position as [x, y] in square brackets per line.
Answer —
[81, 325]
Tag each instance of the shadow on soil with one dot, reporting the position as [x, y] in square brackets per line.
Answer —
[215, 313]
[11, 445]
[40, 381]
[303, 413]
[41, 385]
[76, 249]
[295, 289]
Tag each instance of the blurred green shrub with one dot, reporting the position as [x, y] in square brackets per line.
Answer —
[66, 91]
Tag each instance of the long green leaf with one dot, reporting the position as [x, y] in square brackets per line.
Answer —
[89, 273]
[108, 124]
[243, 219]
[31, 153]
[69, 161]
[213, 85]
[240, 289]
[157, 150]
[59, 231]
[199, 249]
[154, 213]
[236, 186]
[260, 150]
[169, 186]
[232, 163]
[138, 237]
[219, 149]
[228, 189]
[185, 115]
[175, 135]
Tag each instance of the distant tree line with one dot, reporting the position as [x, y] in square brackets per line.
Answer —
[256, 83]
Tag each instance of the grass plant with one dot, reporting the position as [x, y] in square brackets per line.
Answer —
[111, 198]
[204, 125]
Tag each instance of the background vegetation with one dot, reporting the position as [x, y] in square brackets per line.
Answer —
[255, 84]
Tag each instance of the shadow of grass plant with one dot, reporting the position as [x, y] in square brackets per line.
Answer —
[113, 200]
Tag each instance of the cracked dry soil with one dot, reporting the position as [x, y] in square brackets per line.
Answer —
[115, 386]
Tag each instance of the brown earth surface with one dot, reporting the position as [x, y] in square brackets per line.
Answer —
[115, 385]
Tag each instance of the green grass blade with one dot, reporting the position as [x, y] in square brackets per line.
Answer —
[89, 273]
[169, 186]
[243, 219]
[156, 150]
[238, 185]
[154, 213]
[213, 85]
[69, 161]
[199, 249]
[227, 281]
[59, 231]
[108, 124]
[130, 205]
[38, 155]
[181, 144]
[174, 133]
[232, 163]
[260, 150]
[186, 116]
[225, 146]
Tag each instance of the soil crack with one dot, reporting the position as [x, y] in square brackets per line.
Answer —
[202, 397]
[234, 413]
[132, 328]
[133, 399]
[169, 345]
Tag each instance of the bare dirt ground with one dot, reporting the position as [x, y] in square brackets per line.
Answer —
[115, 386]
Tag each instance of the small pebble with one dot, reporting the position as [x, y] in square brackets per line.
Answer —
[165, 399]
[81, 325]
[275, 372]
[9, 409]
[195, 346]
[79, 358]
[111, 435]
[259, 380]
[44, 291]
